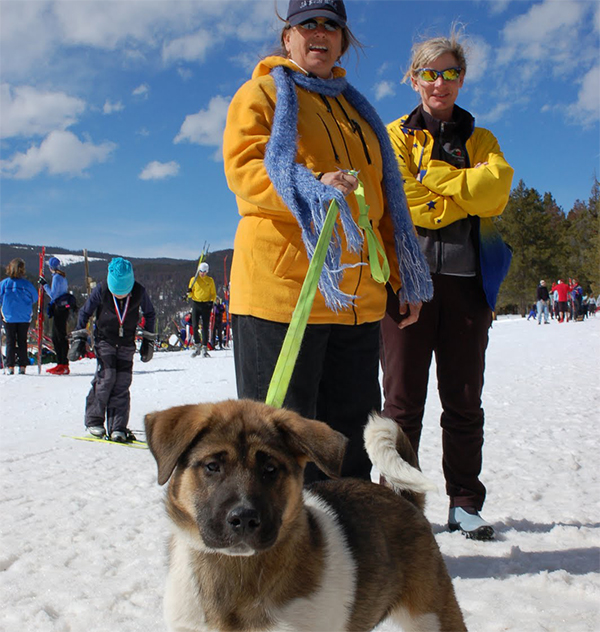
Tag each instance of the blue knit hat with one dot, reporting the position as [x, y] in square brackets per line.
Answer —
[120, 276]
[53, 263]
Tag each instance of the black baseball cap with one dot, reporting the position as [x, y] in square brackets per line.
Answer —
[301, 10]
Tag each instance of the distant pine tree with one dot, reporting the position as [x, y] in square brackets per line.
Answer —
[530, 225]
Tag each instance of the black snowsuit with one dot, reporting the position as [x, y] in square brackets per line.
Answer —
[109, 396]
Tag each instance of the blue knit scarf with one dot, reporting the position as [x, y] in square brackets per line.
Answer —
[308, 199]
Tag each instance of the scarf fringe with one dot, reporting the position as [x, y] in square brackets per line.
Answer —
[308, 199]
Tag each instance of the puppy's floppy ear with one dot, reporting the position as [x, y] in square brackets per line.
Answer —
[170, 432]
[315, 439]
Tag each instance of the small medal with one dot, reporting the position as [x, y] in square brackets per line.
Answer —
[121, 317]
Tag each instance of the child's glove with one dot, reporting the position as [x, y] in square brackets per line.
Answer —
[147, 348]
[42, 281]
[78, 345]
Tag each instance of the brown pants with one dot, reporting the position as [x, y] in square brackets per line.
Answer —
[454, 326]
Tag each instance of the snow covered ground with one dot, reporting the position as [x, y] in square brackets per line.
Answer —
[83, 531]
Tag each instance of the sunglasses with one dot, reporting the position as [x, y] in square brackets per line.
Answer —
[312, 24]
[430, 75]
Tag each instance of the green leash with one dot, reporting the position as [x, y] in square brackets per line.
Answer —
[293, 338]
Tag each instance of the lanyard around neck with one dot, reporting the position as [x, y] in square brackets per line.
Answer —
[121, 316]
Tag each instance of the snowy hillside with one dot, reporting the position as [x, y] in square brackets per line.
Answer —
[83, 531]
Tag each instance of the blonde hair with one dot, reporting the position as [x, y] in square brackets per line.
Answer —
[427, 51]
[16, 269]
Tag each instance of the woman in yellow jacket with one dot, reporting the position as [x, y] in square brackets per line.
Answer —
[456, 179]
[293, 133]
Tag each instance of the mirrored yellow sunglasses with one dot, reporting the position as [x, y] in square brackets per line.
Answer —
[430, 74]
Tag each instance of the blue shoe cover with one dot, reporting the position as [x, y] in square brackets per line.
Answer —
[473, 526]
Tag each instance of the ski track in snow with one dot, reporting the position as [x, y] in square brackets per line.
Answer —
[83, 532]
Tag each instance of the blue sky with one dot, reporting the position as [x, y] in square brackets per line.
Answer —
[111, 113]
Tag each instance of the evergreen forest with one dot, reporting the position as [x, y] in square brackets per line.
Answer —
[548, 244]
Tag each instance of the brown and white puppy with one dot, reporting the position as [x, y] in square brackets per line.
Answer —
[251, 550]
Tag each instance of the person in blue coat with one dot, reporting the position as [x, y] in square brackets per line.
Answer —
[17, 298]
[56, 290]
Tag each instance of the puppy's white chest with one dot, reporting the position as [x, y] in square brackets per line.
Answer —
[330, 605]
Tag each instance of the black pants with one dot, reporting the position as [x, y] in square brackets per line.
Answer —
[201, 311]
[335, 380]
[218, 334]
[16, 343]
[109, 396]
[59, 335]
[454, 326]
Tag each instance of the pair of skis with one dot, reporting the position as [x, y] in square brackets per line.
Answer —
[203, 255]
[140, 445]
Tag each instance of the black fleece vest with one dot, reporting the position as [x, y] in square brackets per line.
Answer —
[107, 322]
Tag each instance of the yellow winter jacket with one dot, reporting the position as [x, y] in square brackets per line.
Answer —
[439, 194]
[203, 289]
[270, 261]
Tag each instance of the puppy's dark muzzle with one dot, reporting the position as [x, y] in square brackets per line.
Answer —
[243, 521]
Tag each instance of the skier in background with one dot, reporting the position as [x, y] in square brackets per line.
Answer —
[17, 298]
[117, 305]
[58, 310]
[202, 291]
[218, 334]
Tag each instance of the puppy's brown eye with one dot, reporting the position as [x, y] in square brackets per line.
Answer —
[212, 467]
[270, 469]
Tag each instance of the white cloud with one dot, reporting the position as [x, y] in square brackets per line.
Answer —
[27, 111]
[185, 73]
[498, 6]
[28, 31]
[110, 107]
[478, 57]
[548, 32]
[159, 170]
[494, 114]
[141, 91]
[60, 153]
[384, 89]
[191, 47]
[586, 109]
[34, 34]
[206, 126]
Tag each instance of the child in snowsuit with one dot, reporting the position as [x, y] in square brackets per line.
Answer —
[117, 305]
[17, 297]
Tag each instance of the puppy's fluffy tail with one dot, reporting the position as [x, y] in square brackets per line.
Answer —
[391, 453]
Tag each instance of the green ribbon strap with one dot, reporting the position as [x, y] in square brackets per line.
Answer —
[379, 271]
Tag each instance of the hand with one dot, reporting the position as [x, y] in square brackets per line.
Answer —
[77, 349]
[42, 281]
[147, 347]
[409, 314]
[480, 164]
[341, 180]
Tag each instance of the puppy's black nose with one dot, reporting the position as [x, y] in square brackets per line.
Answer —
[243, 519]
